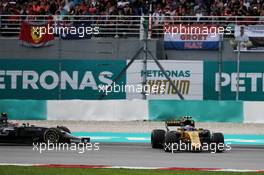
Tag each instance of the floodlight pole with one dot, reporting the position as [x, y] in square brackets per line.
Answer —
[220, 62]
[145, 57]
[60, 65]
[238, 71]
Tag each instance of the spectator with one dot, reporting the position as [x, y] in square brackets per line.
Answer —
[158, 16]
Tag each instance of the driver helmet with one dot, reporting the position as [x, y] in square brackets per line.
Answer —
[3, 114]
[189, 128]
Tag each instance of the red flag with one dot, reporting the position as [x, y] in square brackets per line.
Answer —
[31, 35]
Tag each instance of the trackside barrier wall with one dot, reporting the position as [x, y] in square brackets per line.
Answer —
[202, 111]
[104, 110]
[128, 110]
[253, 112]
[24, 109]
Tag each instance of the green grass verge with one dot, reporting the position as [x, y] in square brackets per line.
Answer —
[18, 170]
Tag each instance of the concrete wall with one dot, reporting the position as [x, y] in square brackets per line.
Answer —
[111, 48]
[74, 49]
[253, 112]
[111, 110]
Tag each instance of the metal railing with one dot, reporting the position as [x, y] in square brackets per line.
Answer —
[123, 26]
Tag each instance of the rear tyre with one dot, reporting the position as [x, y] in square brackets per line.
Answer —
[172, 139]
[52, 135]
[217, 142]
[157, 138]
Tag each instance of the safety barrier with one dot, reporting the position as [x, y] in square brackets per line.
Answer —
[203, 111]
[131, 110]
[24, 109]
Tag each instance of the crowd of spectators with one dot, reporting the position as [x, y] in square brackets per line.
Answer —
[160, 8]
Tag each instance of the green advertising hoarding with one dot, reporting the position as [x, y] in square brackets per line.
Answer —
[59, 79]
[251, 84]
[81, 79]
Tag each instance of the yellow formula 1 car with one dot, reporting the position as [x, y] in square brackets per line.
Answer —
[186, 137]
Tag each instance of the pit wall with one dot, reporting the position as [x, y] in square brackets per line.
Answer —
[129, 110]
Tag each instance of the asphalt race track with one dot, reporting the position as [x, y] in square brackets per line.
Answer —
[138, 155]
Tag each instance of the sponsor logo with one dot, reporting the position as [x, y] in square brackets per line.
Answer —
[248, 82]
[50, 80]
[182, 85]
[157, 80]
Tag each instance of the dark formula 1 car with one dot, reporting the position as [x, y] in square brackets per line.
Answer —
[13, 133]
[186, 137]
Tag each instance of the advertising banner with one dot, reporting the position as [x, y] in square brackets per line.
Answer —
[187, 76]
[251, 81]
[180, 37]
[58, 79]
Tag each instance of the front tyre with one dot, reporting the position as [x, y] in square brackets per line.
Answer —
[217, 142]
[52, 135]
